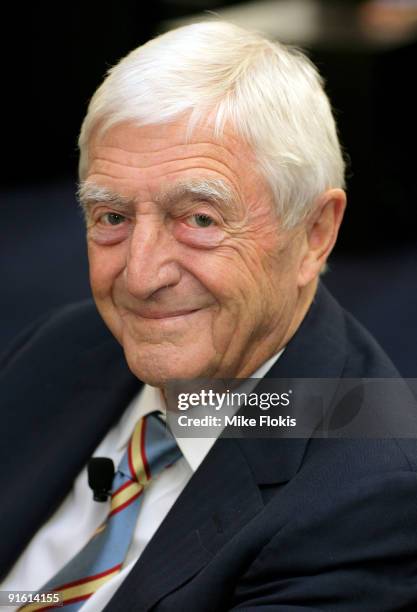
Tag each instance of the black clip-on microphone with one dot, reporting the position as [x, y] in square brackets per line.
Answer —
[100, 477]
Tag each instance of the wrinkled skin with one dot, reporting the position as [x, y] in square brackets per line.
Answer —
[188, 286]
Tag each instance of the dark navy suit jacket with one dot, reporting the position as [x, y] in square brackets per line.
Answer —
[264, 524]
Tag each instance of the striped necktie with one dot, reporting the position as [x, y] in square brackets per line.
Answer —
[151, 449]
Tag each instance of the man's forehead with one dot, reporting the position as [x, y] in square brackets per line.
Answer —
[221, 171]
[177, 132]
[152, 146]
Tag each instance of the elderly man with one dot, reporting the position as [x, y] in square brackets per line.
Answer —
[211, 178]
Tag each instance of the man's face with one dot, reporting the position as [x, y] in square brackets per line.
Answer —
[190, 267]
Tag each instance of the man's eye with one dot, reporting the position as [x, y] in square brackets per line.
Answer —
[112, 219]
[200, 220]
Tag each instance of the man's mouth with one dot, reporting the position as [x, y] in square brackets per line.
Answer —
[159, 314]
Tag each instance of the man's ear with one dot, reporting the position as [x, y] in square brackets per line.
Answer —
[321, 229]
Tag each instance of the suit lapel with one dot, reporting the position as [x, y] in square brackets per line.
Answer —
[50, 448]
[317, 351]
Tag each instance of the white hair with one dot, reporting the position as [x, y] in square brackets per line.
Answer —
[271, 95]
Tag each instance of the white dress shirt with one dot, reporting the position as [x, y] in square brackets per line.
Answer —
[76, 519]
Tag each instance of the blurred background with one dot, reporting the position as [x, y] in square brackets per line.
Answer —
[57, 55]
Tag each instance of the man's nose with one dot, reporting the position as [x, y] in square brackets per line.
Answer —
[151, 264]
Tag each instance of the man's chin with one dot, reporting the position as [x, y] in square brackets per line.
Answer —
[159, 370]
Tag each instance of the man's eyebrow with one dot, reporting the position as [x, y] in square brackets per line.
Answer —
[89, 194]
[212, 190]
[215, 191]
